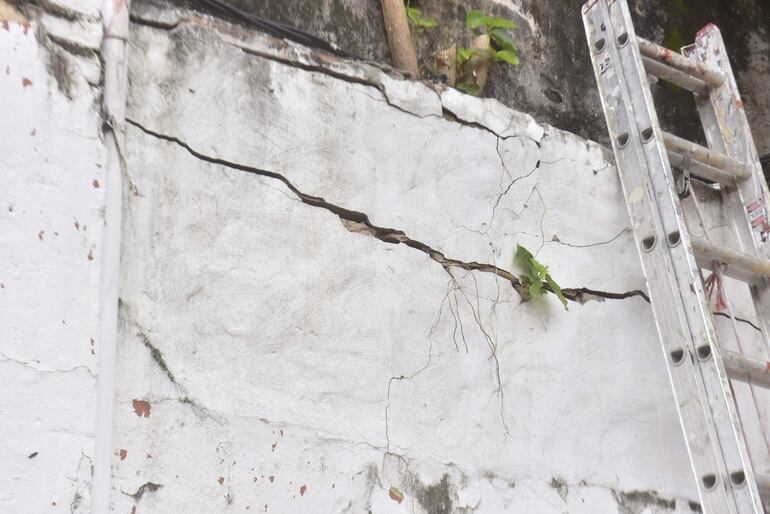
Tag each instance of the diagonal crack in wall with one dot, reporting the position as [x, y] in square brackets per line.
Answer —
[160, 360]
[359, 222]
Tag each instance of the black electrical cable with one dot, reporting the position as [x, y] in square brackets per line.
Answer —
[278, 29]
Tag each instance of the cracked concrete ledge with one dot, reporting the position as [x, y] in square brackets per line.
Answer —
[417, 97]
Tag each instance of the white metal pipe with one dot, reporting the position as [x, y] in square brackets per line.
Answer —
[678, 61]
[115, 19]
[670, 74]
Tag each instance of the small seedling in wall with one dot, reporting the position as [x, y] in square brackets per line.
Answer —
[495, 44]
[536, 280]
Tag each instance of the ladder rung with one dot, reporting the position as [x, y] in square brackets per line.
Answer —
[737, 265]
[681, 63]
[703, 154]
[671, 74]
[741, 367]
[703, 170]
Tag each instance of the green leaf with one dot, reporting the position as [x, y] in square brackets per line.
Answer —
[540, 269]
[475, 19]
[507, 56]
[468, 87]
[464, 54]
[415, 16]
[429, 23]
[501, 23]
[557, 291]
[503, 39]
[524, 259]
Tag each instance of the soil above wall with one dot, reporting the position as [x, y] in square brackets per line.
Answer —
[554, 81]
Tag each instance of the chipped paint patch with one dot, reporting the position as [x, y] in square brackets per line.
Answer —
[395, 494]
[142, 408]
[9, 13]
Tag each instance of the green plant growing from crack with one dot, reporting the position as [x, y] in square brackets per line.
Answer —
[495, 45]
[536, 280]
[467, 68]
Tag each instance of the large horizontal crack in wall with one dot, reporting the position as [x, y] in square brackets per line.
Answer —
[359, 222]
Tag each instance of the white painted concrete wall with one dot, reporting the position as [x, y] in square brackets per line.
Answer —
[309, 317]
[51, 203]
[278, 357]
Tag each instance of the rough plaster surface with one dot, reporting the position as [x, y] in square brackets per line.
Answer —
[310, 316]
[282, 352]
[51, 201]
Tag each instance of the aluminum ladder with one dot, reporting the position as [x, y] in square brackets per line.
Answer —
[671, 258]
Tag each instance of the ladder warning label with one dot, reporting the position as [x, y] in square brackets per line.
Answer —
[758, 218]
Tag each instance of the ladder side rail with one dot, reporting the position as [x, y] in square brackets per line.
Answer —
[675, 337]
[727, 131]
[738, 475]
